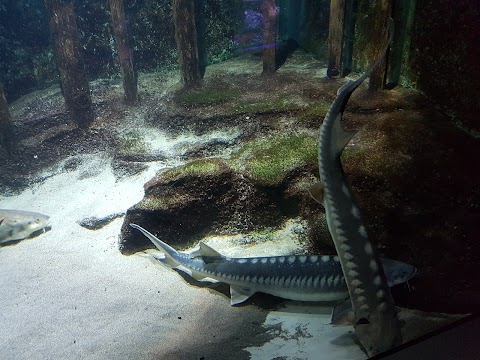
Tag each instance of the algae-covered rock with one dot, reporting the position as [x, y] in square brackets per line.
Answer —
[258, 187]
[269, 159]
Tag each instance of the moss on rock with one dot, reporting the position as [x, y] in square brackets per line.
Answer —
[160, 202]
[267, 160]
[202, 167]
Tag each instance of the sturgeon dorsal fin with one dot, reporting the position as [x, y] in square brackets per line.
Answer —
[316, 192]
[239, 294]
[204, 250]
[341, 136]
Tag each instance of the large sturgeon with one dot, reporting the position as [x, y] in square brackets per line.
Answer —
[298, 277]
[375, 318]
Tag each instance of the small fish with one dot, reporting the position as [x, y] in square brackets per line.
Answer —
[299, 277]
[18, 224]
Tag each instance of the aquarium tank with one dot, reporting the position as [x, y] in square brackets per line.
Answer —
[239, 179]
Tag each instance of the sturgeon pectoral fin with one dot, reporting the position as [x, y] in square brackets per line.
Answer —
[316, 192]
[342, 313]
[239, 294]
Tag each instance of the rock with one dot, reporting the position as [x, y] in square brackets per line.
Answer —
[123, 169]
[212, 147]
[211, 197]
[95, 223]
[140, 157]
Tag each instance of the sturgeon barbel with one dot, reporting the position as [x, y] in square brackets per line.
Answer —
[296, 277]
[375, 318]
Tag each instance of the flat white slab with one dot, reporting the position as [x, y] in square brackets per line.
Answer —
[303, 332]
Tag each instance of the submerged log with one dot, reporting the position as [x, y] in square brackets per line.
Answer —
[383, 9]
[186, 39]
[75, 87]
[125, 53]
[6, 125]
[370, 38]
[269, 12]
[348, 37]
[335, 37]
[403, 13]
[201, 35]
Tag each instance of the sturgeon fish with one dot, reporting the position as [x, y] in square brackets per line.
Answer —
[19, 224]
[299, 277]
[375, 318]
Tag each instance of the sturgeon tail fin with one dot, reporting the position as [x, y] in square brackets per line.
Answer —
[169, 252]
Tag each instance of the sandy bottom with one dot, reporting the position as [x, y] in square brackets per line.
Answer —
[70, 294]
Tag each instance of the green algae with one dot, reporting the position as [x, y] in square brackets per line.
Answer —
[203, 167]
[157, 203]
[267, 160]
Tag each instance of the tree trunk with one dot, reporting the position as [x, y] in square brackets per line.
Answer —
[201, 35]
[382, 12]
[335, 37]
[349, 20]
[186, 38]
[403, 13]
[75, 87]
[6, 125]
[125, 53]
[270, 12]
